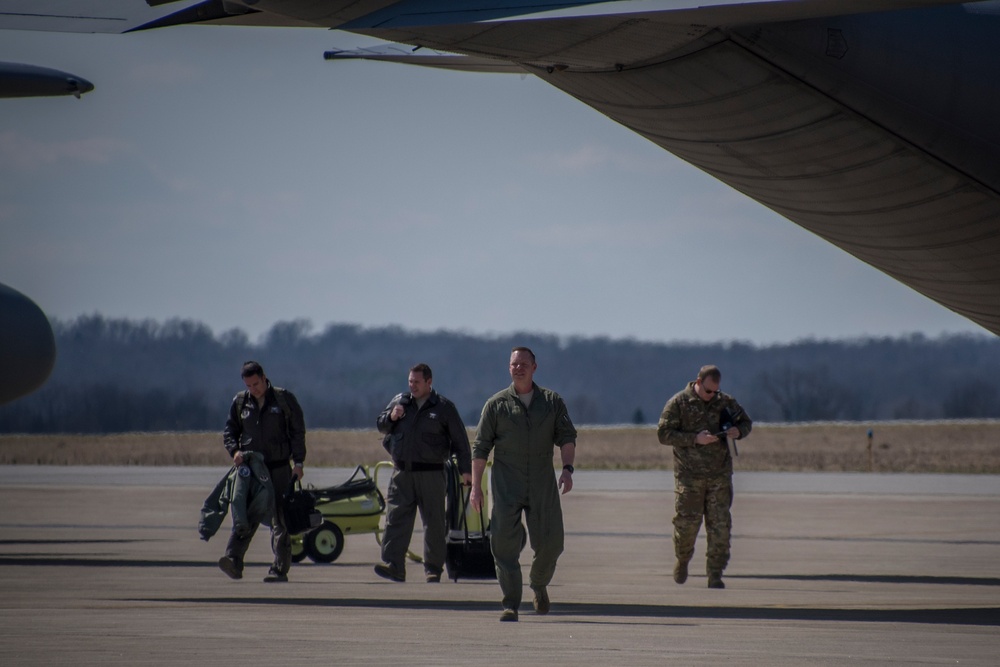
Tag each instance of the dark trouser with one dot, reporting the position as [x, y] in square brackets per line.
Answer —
[281, 542]
[409, 491]
[712, 499]
[543, 514]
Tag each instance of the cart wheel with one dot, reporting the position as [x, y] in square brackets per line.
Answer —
[298, 549]
[325, 543]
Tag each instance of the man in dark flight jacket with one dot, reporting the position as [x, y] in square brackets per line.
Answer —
[422, 430]
[268, 420]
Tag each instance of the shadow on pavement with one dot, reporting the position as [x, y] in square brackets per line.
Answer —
[989, 616]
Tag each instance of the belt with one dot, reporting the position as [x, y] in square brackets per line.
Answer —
[417, 466]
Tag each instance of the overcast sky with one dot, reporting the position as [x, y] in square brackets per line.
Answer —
[234, 177]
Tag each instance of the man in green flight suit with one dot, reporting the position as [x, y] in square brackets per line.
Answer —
[521, 425]
[698, 422]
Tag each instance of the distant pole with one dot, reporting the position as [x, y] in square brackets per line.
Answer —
[870, 463]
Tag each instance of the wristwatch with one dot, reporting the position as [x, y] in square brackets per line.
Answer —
[568, 467]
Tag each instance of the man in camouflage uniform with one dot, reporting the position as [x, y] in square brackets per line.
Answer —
[698, 422]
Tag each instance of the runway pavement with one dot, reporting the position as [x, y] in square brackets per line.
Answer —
[103, 566]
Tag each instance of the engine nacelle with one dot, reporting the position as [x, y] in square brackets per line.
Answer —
[27, 345]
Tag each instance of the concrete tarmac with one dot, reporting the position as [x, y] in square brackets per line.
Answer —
[103, 566]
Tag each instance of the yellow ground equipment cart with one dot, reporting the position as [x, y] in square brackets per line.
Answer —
[356, 506]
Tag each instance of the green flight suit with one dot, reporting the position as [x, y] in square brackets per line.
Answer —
[524, 481]
[251, 498]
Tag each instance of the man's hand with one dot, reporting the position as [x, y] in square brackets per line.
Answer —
[238, 458]
[397, 412]
[566, 481]
[297, 472]
[476, 478]
[705, 438]
[466, 479]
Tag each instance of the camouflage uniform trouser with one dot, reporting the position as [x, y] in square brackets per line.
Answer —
[710, 498]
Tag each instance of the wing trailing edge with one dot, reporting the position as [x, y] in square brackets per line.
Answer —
[119, 16]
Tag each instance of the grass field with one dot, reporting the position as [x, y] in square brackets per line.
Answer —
[956, 447]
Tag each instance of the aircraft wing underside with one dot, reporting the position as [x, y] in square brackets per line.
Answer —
[905, 191]
[825, 167]
[715, 99]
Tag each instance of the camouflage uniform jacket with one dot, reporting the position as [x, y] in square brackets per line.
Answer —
[684, 416]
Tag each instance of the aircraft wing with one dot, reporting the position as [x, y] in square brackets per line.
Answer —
[875, 131]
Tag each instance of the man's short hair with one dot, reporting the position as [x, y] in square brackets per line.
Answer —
[251, 368]
[710, 372]
[524, 349]
[424, 370]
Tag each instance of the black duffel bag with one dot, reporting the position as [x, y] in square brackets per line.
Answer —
[300, 511]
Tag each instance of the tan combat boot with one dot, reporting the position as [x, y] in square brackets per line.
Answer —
[681, 571]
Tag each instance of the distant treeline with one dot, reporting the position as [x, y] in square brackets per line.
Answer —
[117, 375]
